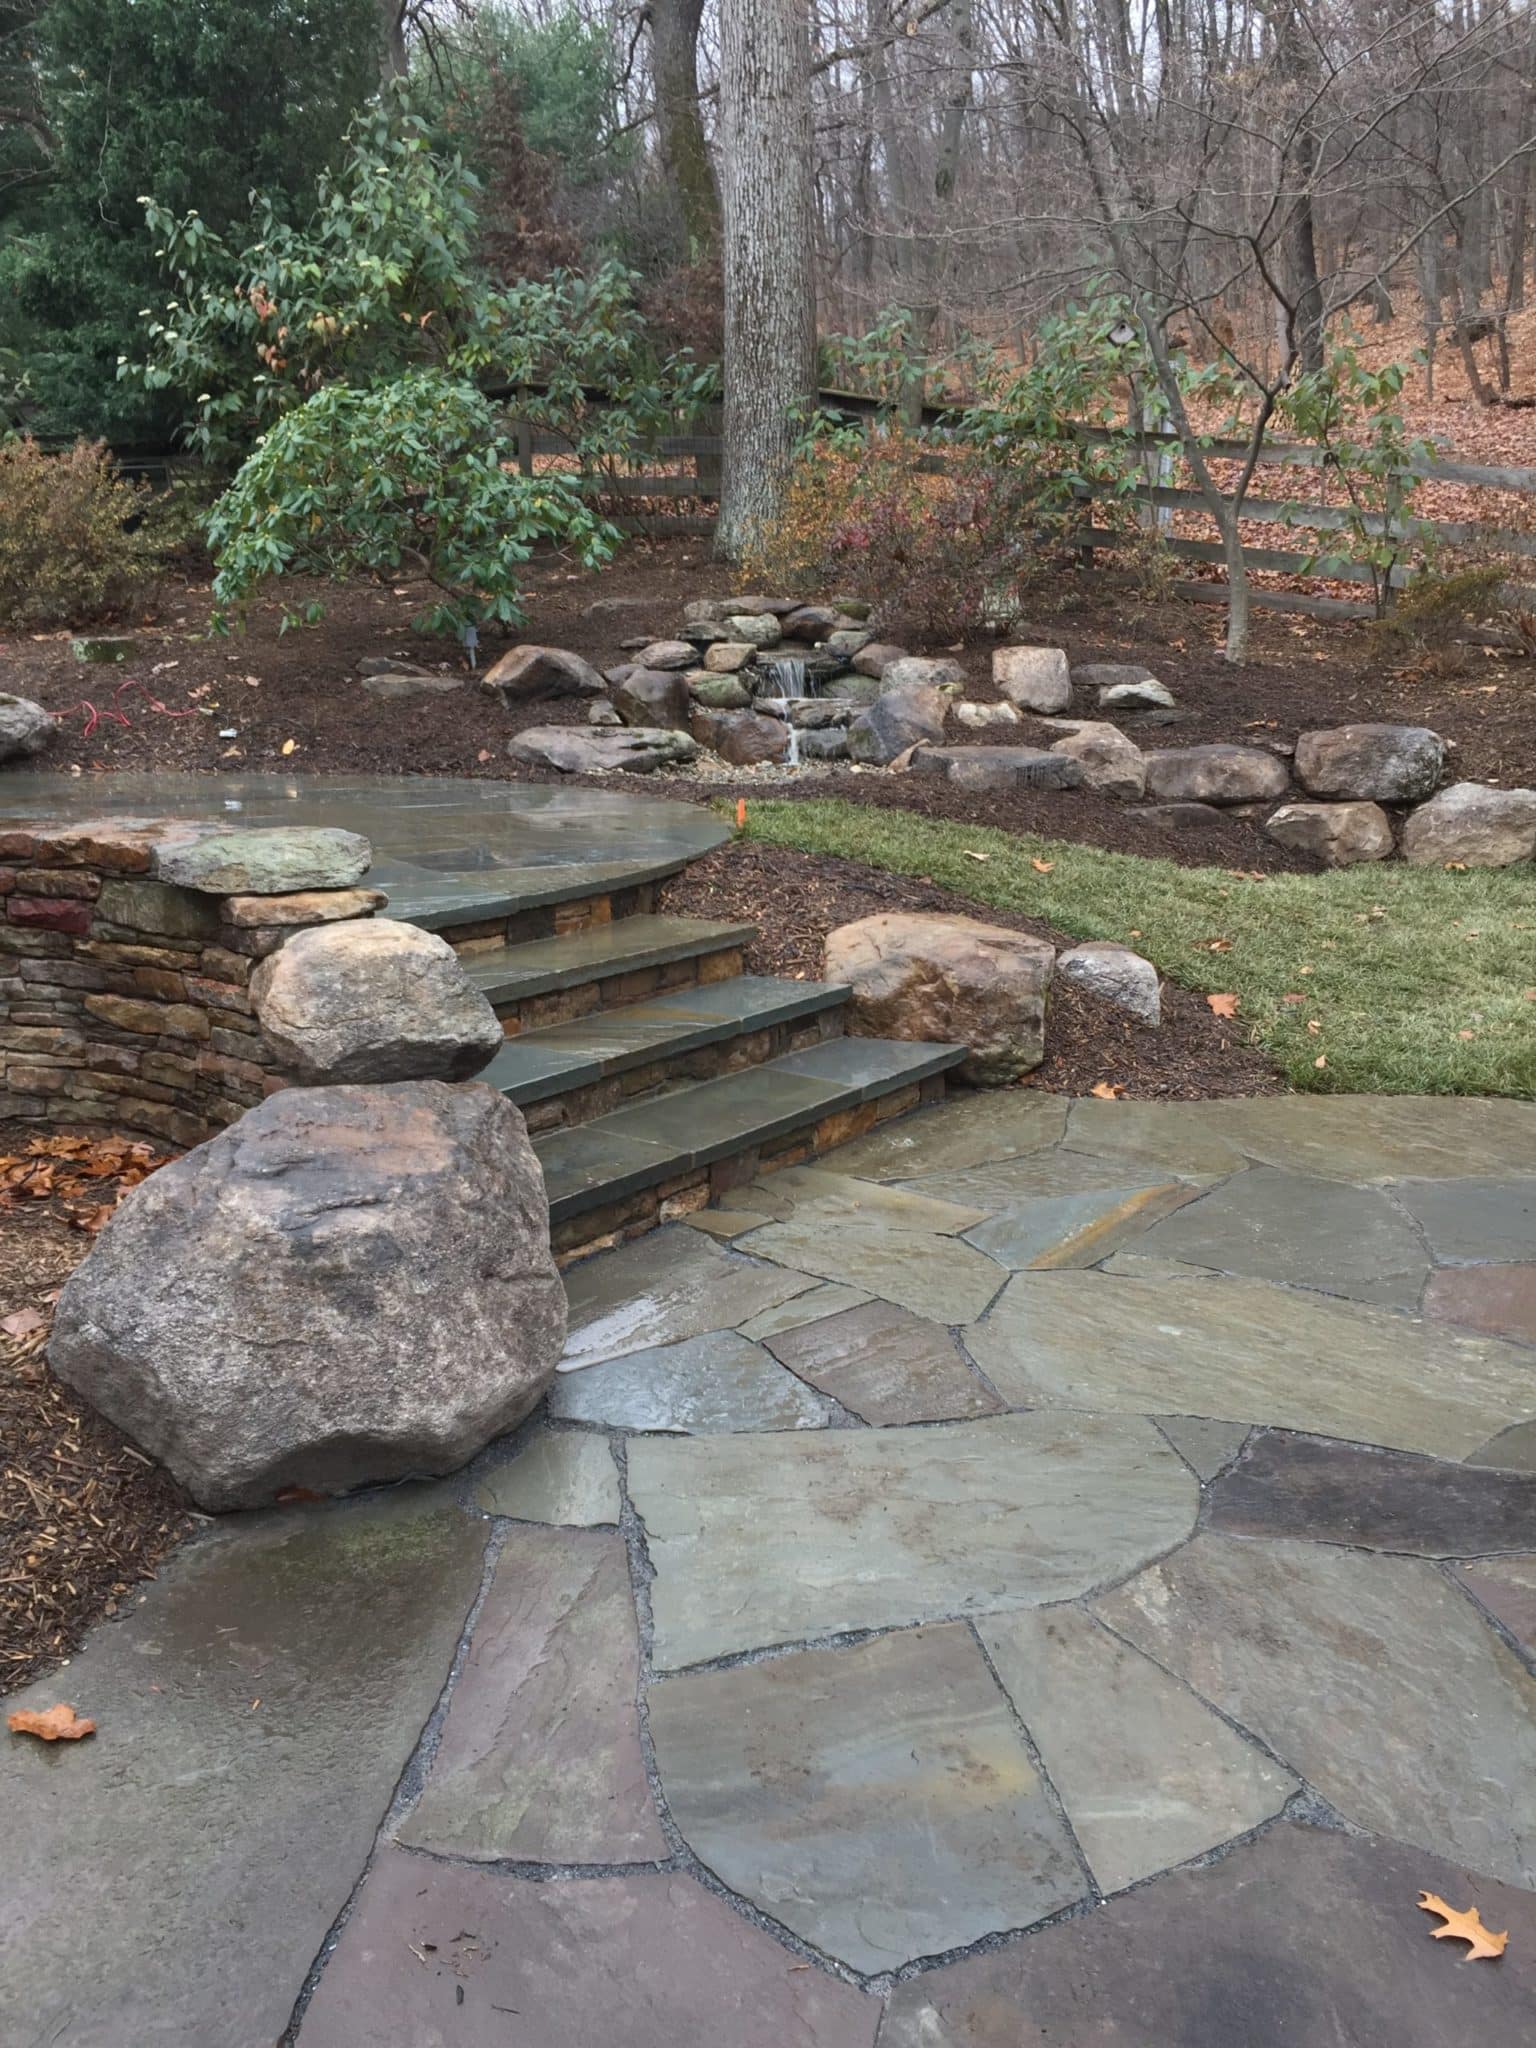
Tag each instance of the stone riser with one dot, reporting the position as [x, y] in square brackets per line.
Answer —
[551, 920]
[614, 991]
[615, 1223]
[671, 1070]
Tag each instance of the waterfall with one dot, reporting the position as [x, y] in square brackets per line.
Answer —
[787, 675]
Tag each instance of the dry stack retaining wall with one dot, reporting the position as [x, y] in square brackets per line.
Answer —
[122, 997]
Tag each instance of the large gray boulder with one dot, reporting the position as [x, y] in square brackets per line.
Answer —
[349, 1285]
[25, 727]
[950, 979]
[651, 696]
[534, 672]
[1472, 825]
[1339, 835]
[373, 1001]
[1003, 768]
[1384, 764]
[276, 860]
[920, 672]
[743, 738]
[1033, 678]
[602, 750]
[1215, 775]
[897, 719]
[1111, 764]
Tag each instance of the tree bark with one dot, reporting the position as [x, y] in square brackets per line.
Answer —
[684, 151]
[770, 294]
[394, 62]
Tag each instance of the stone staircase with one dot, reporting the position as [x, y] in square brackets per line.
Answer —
[653, 1072]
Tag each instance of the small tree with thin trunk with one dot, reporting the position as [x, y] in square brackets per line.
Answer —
[770, 294]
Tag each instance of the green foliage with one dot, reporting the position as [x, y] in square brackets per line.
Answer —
[410, 472]
[384, 278]
[194, 105]
[1352, 414]
[565, 74]
[73, 549]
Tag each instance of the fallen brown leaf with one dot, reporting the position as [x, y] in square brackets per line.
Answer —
[58, 1724]
[1042, 867]
[1223, 1005]
[1107, 1091]
[1464, 1926]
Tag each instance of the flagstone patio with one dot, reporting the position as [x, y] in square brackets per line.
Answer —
[1051, 1573]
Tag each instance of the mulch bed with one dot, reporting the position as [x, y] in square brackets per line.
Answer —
[302, 687]
[84, 1516]
[795, 899]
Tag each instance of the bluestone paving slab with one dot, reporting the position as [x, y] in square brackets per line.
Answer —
[1208, 1446]
[1507, 1588]
[1512, 1450]
[1377, 1500]
[700, 1387]
[1301, 1230]
[1249, 1352]
[938, 1277]
[665, 1286]
[1174, 1137]
[836, 1197]
[539, 1758]
[877, 1800]
[826, 1300]
[559, 1476]
[438, 1954]
[1073, 1230]
[764, 1540]
[1475, 1221]
[1381, 1137]
[886, 1365]
[1301, 1939]
[1148, 1775]
[1500, 1300]
[969, 1130]
[1036, 1177]
[1373, 1677]
[170, 1880]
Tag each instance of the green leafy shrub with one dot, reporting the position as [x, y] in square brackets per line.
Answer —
[412, 473]
[73, 549]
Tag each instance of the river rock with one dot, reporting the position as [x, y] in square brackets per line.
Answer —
[601, 712]
[273, 861]
[1339, 835]
[532, 672]
[852, 689]
[25, 727]
[1392, 764]
[667, 654]
[707, 610]
[811, 622]
[719, 692]
[950, 979]
[1474, 824]
[919, 671]
[876, 657]
[374, 1000]
[759, 629]
[1033, 678]
[1215, 775]
[631, 749]
[978, 715]
[898, 719]
[391, 684]
[349, 1285]
[743, 738]
[847, 641]
[1111, 764]
[725, 657]
[651, 697]
[824, 743]
[1000, 768]
[1115, 975]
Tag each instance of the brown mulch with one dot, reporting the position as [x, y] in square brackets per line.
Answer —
[795, 899]
[84, 1516]
[302, 687]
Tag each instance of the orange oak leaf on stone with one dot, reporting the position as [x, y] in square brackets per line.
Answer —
[58, 1724]
[1223, 1005]
[1467, 1926]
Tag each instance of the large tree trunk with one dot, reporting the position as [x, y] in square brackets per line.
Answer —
[770, 293]
[684, 151]
[394, 60]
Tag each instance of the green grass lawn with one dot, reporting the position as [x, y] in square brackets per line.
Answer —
[1412, 980]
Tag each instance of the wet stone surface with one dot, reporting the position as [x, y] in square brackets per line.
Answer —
[701, 1387]
[886, 1365]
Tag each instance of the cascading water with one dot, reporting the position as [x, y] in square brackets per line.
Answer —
[788, 676]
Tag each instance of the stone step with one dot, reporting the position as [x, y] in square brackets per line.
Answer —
[563, 1059]
[621, 1173]
[612, 958]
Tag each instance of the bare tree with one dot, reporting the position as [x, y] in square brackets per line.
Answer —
[770, 293]
[685, 155]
